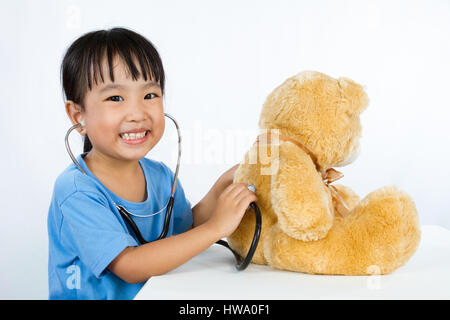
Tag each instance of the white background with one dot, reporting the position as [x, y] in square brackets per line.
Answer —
[221, 60]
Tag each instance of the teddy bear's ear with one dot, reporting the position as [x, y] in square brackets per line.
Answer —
[354, 94]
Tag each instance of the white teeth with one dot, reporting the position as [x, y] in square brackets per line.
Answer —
[133, 136]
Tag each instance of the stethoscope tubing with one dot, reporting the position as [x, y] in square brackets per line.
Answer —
[242, 264]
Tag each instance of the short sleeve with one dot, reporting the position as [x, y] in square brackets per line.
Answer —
[183, 218]
[93, 230]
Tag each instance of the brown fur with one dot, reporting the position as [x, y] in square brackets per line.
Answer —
[301, 230]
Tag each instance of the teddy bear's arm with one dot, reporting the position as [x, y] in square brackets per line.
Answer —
[299, 197]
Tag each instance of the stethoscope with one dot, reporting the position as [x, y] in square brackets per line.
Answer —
[241, 263]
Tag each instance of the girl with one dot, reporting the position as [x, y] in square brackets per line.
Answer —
[113, 81]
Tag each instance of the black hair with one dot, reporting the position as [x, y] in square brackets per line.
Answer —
[81, 65]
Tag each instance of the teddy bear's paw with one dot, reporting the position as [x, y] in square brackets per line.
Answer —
[388, 206]
[383, 230]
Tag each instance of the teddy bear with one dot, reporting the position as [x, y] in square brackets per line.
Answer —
[308, 125]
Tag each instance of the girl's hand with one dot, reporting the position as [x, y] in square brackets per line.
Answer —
[231, 207]
[203, 210]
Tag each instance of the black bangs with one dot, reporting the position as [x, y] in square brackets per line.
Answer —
[81, 66]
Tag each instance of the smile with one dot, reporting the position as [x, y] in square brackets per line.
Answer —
[135, 138]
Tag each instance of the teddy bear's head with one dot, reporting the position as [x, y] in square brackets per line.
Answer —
[320, 112]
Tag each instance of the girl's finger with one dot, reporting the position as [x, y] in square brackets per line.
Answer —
[229, 188]
[240, 188]
[247, 197]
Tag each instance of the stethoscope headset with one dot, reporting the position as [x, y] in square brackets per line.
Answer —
[241, 263]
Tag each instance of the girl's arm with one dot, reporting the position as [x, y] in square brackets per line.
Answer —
[138, 264]
[217, 218]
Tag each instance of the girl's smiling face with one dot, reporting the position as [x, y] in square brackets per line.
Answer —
[115, 112]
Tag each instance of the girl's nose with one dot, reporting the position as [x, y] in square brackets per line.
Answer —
[136, 111]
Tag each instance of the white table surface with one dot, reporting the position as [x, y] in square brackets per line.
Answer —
[211, 275]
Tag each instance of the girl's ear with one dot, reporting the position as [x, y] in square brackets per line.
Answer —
[75, 113]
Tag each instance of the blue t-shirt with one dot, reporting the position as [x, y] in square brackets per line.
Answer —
[86, 231]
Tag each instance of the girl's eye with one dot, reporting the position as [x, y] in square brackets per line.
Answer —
[115, 98]
[150, 96]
